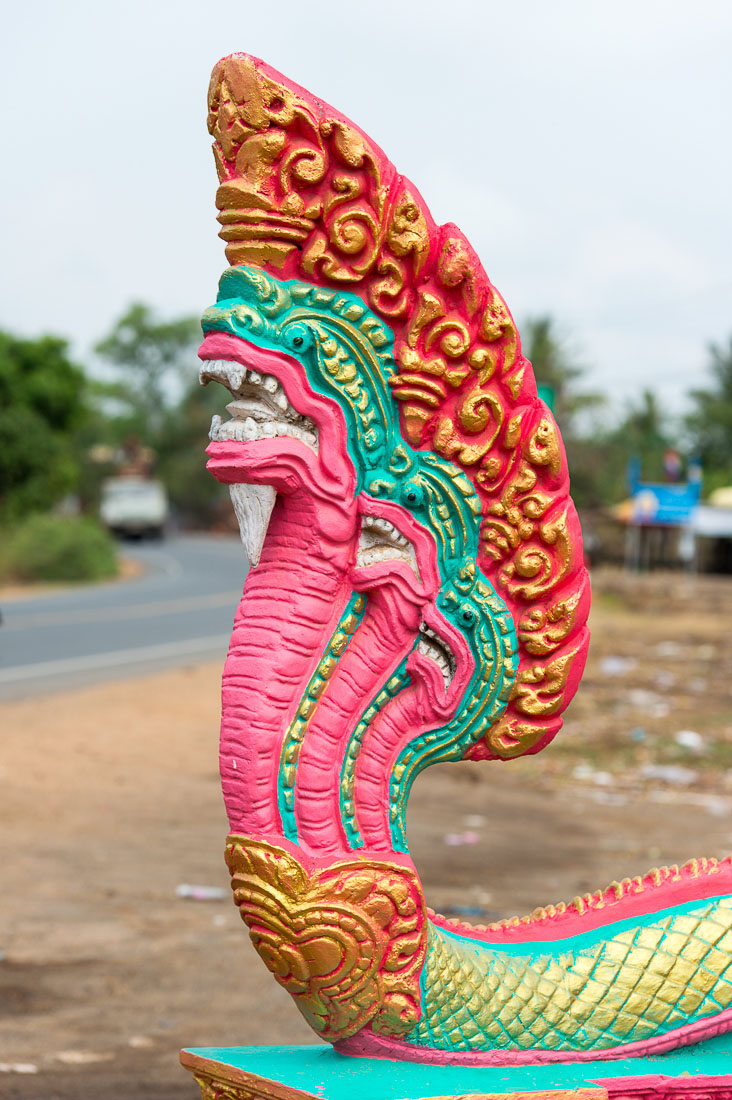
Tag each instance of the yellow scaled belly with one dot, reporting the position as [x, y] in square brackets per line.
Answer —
[588, 992]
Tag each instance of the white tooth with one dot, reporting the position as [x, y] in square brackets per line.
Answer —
[203, 374]
[268, 430]
[270, 383]
[254, 376]
[280, 400]
[234, 375]
[215, 425]
[253, 506]
[249, 429]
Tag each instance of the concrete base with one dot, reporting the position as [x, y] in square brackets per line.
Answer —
[702, 1072]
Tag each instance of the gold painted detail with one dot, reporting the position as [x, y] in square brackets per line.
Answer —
[215, 1087]
[635, 985]
[347, 942]
[291, 179]
[530, 535]
[303, 192]
[295, 735]
[219, 1081]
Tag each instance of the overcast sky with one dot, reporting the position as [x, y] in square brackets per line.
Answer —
[585, 149]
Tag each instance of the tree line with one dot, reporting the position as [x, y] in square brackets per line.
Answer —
[64, 430]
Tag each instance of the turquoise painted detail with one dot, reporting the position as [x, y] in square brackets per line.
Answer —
[472, 607]
[293, 740]
[322, 1072]
[586, 940]
[346, 353]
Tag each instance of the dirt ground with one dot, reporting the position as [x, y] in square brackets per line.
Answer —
[109, 800]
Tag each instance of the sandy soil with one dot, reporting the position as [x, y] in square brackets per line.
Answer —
[110, 800]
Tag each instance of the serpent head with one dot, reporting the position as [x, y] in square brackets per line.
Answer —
[414, 516]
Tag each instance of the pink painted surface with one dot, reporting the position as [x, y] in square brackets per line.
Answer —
[309, 196]
[643, 897]
[292, 602]
[397, 602]
[366, 1044]
[423, 705]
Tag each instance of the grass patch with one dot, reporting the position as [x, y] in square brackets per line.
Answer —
[57, 548]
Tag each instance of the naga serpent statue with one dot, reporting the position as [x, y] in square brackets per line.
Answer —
[417, 594]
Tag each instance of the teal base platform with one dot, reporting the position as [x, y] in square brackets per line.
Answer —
[701, 1072]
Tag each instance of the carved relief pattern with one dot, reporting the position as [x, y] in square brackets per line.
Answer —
[348, 942]
[304, 191]
[410, 555]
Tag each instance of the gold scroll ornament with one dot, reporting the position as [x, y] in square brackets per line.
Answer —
[306, 194]
[347, 942]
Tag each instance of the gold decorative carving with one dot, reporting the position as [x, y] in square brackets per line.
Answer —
[219, 1081]
[543, 628]
[347, 942]
[538, 689]
[304, 192]
[510, 737]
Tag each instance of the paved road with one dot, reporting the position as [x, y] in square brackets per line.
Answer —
[180, 610]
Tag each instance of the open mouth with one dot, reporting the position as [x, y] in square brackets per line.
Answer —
[381, 541]
[260, 409]
[436, 648]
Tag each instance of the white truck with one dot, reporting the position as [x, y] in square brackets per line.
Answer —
[134, 507]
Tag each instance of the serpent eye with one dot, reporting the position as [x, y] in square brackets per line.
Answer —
[298, 337]
[467, 616]
[412, 493]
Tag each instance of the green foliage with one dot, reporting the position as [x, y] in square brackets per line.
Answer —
[196, 496]
[147, 352]
[709, 424]
[555, 369]
[41, 406]
[58, 548]
[598, 461]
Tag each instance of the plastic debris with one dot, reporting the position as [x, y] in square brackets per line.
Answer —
[675, 774]
[81, 1057]
[457, 840]
[638, 734]
[617, 666]
[18, 1067]
[201, 893]
[474, 821]
[689, 739]
[140, 1042]
[608, 798]
[668, 649]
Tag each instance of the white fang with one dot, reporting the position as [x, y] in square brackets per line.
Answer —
[253, 506]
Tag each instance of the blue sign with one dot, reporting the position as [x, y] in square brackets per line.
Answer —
[664, 505]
